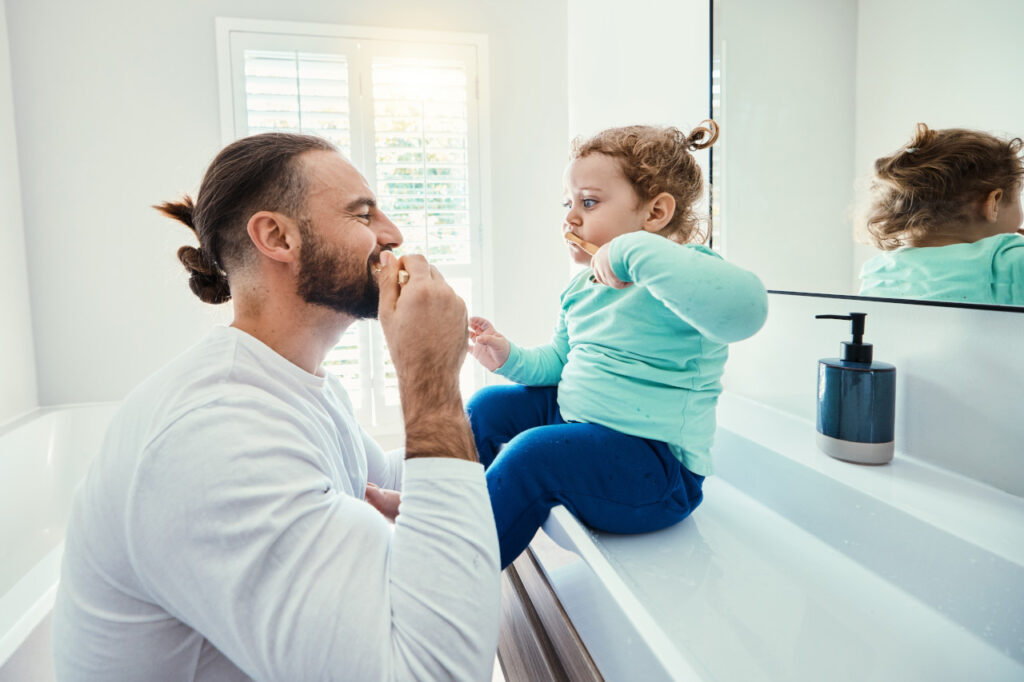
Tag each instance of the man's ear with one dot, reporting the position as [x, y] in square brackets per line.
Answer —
[660, 210]
[990, 205]
[276, 236]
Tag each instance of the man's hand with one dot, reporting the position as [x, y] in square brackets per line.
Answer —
[489, 347]
[383, 500]
[427, 330]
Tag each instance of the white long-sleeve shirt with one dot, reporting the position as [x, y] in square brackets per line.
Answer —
[221, 534]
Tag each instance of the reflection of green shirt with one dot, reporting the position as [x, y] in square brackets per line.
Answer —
[990, 270]
[647, 360]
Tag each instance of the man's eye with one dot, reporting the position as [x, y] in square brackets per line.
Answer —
[364, 216]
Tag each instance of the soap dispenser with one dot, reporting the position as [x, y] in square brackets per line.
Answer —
[856, 401]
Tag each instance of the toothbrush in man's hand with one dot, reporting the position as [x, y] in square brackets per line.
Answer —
[403, 275]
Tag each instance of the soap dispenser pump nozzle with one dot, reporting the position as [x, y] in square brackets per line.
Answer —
[855, 350]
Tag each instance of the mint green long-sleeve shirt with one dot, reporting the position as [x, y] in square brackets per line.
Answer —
[990, 270]
[647, 360]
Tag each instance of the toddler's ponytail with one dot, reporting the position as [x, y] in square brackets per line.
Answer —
[703, 136]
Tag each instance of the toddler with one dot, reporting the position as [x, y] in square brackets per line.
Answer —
[614, 417]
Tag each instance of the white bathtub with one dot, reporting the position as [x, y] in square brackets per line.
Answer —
[43, 456]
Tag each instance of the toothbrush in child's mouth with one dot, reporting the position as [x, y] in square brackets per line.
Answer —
[583, 244]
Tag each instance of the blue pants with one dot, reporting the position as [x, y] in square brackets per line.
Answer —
[608, 480]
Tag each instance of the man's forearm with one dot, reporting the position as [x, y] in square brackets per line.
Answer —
[442, 432]
[427, 330]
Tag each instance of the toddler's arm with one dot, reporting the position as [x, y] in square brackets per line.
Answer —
[539, 365]
[722, 301]
[1008, 266]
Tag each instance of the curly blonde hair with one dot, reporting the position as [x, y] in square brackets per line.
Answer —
[932, 181]
[657, 160]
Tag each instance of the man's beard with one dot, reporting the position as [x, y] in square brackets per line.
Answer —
[332, 281]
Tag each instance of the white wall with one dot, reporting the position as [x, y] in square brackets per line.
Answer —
[941, 62]
[642, 62]
[787, 112]
[958, 381]
[17, 363]
[116, 104]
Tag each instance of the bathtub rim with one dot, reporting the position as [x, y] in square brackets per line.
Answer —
[33, 597]
[40, 411]
[27, 601]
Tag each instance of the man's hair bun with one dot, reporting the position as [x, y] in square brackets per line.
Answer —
[206, 280]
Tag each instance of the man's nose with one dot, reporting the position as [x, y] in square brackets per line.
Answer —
[388, 233]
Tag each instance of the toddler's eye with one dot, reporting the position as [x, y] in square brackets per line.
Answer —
[566, 204]
[589, 203]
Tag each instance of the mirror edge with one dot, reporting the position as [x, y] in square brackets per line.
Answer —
[905, 301]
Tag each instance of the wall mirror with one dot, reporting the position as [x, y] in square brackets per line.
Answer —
[810, 93]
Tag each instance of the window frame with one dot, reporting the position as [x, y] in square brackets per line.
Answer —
[360, 44]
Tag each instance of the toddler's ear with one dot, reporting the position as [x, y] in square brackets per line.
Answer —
[660, 210]
[990, 205]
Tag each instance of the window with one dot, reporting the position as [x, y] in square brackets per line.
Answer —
[404, 107]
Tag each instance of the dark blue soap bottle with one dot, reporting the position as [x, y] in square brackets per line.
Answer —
[856, 401]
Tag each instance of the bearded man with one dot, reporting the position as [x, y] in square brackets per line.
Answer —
[223, 532]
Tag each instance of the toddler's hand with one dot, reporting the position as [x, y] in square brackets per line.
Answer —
[601, 264]
[489, 347]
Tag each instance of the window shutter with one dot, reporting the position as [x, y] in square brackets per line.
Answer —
[421, 141]
[420, 123]
[298, 92]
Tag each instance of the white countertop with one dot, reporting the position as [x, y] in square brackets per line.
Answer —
[976, 512]
[800, 567]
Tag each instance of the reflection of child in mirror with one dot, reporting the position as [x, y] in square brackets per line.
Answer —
[614, 417]
[947, 214]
